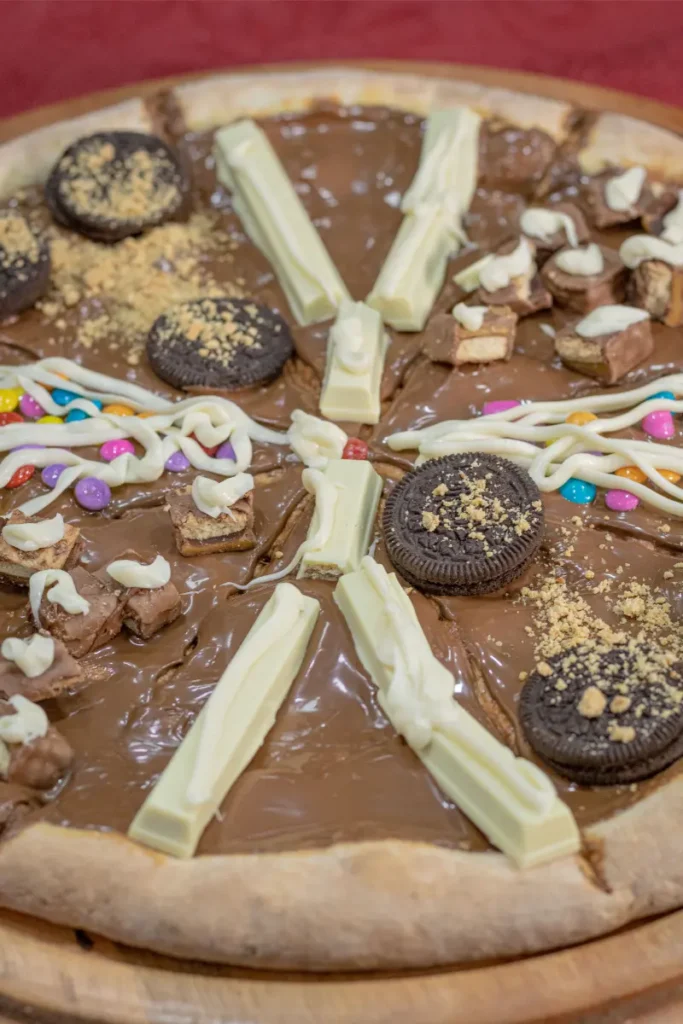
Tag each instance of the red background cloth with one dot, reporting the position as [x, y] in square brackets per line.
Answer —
[54, 49]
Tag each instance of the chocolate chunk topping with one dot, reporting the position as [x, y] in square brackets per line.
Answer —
[24, 265]
[215, 344]
[603, 713]
[114, 184]
[464, 524]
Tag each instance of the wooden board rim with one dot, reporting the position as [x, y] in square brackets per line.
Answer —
[44, 975]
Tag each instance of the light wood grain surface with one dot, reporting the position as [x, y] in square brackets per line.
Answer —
[635, 977]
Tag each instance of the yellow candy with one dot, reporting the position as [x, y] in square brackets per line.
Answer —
[50, 419]
[119, 410]
[580, 419]
[9, 398]
[632, 473]
[669, 475]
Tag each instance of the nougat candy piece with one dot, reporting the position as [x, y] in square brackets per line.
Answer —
[146, 611]
[582, 293]
[17, 567]
[523, 296]
[658, 287]
[39, 764]
[87, 631]
[607, 357]
[197, 533]
[63, 674]
[449, 341]
[602, 215]
[547, 245]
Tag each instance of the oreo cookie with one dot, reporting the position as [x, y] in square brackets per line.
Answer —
[605, 715]
[212, 345]
[24, 265]
[114, 184]
[464, 524]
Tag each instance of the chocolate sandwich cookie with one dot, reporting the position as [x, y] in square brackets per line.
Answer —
[214, 345]
[24, 265]
[114, 184]
[463, 524]
[605, 715]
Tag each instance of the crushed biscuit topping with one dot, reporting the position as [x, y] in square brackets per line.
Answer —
[18, 244]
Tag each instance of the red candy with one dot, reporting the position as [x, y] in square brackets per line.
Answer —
[355, 449]
[210, 451]
[23, 474]
[10, 417]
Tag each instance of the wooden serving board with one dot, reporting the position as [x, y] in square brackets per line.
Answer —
[49, 975]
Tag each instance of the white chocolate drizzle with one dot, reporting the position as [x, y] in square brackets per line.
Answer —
[471, 317]
[622, 191]
[216, 499]
[130, 573]
[315, 440]
[582, 262]
[469, 279]
[63, 593]
[609, 320]
[540, 223]
[33, 656]
[673, 222]
[27, 724]
[639, 248]
[503, 269]
[34, 536]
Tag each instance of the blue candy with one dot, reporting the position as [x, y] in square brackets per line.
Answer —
[75, 415]
[62, 397]
[664, 394]
[580, 492]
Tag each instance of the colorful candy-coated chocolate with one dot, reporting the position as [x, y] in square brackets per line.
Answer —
[23, 474]
[75, 415]
[580, 419]
[51, 474]
[62, 397]
[659, 424]
[10, 417]
[670, 475]
[501, 405]
[355, 449]
[111, 450]
[92, 494]
[9, 399]
[621, 501]
[665, 394]
[177, 462]
[30, 408]
[632, 473]
[226, 451]
[50, 419]
[580, 492]
[146, 415]
[115, 409]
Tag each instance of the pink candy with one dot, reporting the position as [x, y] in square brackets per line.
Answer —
[621, 501]
[501, 405]
[659, 424]
[112, 449]
[30, 408]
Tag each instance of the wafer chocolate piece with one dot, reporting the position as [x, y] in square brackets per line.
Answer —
[547, 243]
[463, 524]
[17, 567]
[658, 287]
[448, 340]
[63, 674]
[583, 292]
[214, 345]
[605, 216]
[39, 764]
[609, 356]
[114, 184]
[87, 631]
[603, 714]
[197, 533]
[24, 265]
[147, 610]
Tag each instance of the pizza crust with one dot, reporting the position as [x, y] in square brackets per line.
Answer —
[389, 904]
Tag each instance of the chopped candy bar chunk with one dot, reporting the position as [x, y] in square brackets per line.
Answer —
[17, 565]
[618, 196]
[84, 631]
[64, 673]
[148, 608]
[477, 335]
[607, 344]
[581, 279]
[197, 533]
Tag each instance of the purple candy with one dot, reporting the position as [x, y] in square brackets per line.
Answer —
[621, 501]
[92, 494]
[659, 424]
[30, 408]
[499, 406]
[177, 463]
[51, 474]
[112, 449]
[226, 451]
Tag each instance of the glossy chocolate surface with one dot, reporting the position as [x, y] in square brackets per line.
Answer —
[332, 769]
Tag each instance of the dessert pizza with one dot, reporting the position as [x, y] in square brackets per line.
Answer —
[340, 550]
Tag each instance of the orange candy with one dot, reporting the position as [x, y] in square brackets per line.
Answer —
[119, 410]
[580, 419]
[146, 415]
[632, 473]
[669, 475]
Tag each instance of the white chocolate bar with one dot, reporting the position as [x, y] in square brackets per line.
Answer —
[276, 221]
[230, 727]
[355, 360]
[358, 487]
[510, 799]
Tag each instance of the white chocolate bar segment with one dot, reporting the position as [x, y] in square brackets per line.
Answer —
[230, 727]
[510, 799]
[355, 360]
[276, 221]
[358, 488]
[439, 196]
